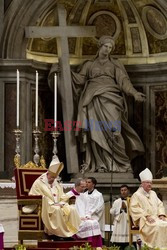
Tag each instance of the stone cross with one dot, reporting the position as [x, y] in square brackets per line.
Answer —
[62, 32]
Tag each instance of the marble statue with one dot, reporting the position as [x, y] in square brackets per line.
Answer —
[107, 141]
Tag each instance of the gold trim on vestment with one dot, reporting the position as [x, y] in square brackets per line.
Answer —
[60, 167]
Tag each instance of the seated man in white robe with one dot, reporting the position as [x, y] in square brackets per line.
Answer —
[59, 217]
[95, 204]
[148, 213]
[89, 228]
[120, 234]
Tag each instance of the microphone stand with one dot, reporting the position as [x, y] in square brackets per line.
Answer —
[111, 177]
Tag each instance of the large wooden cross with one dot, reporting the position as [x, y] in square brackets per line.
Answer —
[62, 32]
[2, 10]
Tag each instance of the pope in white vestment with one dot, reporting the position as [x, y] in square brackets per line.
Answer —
[148, 212]
[59, 217]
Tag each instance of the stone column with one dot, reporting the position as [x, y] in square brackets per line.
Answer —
[27, 70]
[1, 17]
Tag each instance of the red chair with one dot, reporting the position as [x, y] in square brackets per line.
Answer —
[30, 225]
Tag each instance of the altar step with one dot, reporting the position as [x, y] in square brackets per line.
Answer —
[61, 244]
[53, 245]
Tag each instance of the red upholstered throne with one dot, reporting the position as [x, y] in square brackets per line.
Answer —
[30, 225]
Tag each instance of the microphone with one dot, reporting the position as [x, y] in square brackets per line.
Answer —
[113, 129]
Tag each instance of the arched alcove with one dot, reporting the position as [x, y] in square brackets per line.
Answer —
[139, 29]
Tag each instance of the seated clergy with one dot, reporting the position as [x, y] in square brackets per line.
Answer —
[95, 203]
[148, 212]
[59, 217]
[89, 228]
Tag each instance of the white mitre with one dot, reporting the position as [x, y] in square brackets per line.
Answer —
[146, 175]
[55, 167]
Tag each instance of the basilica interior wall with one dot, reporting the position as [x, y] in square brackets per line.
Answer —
[140, 32]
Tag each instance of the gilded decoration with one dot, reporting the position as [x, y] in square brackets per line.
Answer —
[46, 44]
[130, 14]
[156, 45]
[31, 164]
[17, 161]
[155, 22]
[102, 20]
[49, 45]
[75, 15]
[161, 133]
[100, 15]
[138, 27]
[136, 40]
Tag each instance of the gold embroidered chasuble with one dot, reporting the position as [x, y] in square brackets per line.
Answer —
[62, 221]
[144, 204]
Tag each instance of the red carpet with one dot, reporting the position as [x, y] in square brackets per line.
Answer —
[61, 244]
[51, 245]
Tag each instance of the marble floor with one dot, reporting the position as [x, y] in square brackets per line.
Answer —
[9, 220]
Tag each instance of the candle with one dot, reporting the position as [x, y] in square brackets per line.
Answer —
[36, 100]
[55, 100]
[17, 102]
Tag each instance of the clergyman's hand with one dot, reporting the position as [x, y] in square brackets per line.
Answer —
[150, 219]
[123, 205]
[58, 205]
[85, 218]
[140, 97]
[162, 217]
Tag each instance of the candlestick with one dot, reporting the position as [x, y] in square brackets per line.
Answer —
[17, 160]
[17, 101]
[36, 100]
[55, 135]
[55, 101]
[36, 134]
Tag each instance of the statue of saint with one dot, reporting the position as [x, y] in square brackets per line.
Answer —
[106, 139]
